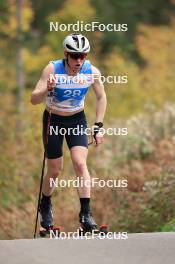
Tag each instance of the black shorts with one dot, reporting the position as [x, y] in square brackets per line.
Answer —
[72, 127]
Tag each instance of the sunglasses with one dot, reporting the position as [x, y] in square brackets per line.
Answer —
[76, 56]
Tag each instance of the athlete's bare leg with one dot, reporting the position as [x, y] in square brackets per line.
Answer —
[79, 156]
[54, 167]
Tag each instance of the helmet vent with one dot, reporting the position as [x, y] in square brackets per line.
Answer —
[76, 41]
[83, 41]
[69, 47]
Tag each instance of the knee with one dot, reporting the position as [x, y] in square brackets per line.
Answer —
[80, 166]
[55, 170]
[54, 173]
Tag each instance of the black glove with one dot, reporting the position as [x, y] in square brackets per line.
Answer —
[96, 129]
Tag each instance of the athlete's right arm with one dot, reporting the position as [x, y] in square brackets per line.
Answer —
[41, 88]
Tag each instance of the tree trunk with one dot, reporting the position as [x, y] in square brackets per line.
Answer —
[19, 65]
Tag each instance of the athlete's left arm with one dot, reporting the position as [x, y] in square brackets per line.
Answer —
[100, 95]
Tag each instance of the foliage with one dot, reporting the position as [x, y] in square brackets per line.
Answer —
[145, 54]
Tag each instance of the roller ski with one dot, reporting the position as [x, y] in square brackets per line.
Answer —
[51, 231]
[89, 226]
[46, 220]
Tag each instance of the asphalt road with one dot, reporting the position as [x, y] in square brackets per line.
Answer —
[150, 248]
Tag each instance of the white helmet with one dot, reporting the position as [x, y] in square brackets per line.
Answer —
[76, 43]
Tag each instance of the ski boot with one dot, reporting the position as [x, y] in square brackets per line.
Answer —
[89, 225]
[46, 220]
[46, 215]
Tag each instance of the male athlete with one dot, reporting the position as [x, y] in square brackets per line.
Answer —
[65, 102]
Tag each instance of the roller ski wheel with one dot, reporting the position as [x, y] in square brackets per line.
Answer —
[45, 232]
[102, 230]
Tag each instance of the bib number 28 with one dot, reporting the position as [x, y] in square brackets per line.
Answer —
[69, 93]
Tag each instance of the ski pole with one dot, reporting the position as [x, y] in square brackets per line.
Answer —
[43, 166]
[42, 173]
[39, 196]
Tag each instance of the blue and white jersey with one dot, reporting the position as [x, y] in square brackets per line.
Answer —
[69, 92]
